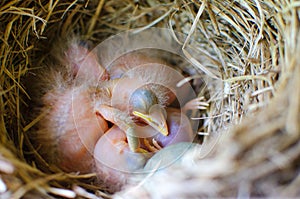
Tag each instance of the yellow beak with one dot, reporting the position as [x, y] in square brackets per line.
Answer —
[156, 118]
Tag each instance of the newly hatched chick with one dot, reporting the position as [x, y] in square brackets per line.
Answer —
[149, 82]
[157, 90]
[116, 163]
[69, 129]
[115, 160]
[145, 96]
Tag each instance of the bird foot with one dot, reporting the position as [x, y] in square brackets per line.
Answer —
[154, 147]
[197, 103]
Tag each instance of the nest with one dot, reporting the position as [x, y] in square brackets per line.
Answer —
[251, 128]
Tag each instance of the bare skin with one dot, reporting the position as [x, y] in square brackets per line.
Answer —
[115, 162]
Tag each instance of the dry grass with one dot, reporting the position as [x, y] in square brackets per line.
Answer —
[247, 51]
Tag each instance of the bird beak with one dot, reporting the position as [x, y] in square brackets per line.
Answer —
[156, 118]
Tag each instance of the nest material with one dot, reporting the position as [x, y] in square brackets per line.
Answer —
[252, 126]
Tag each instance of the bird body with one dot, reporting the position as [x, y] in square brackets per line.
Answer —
[145, 82]
[70, 119]
[64, 94]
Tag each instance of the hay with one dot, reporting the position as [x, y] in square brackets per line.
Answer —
[250, 50]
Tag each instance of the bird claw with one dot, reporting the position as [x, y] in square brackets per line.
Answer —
[152, 148]
[197, 103]
[155, 143]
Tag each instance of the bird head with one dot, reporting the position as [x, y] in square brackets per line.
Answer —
[145, 106]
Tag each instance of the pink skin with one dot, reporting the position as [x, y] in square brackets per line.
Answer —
[75, 128]
[84, 63]
[129, 61]
[114, 160]
[71, 127]
[132, 60]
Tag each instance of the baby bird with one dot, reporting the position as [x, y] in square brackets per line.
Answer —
[143, 87]
[158, 90]
[69, 129]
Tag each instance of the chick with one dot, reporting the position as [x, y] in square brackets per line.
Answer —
[63, 94]
[157, 90]
[121, 113]
[145, 86]
[169, 125]
[114, 160]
